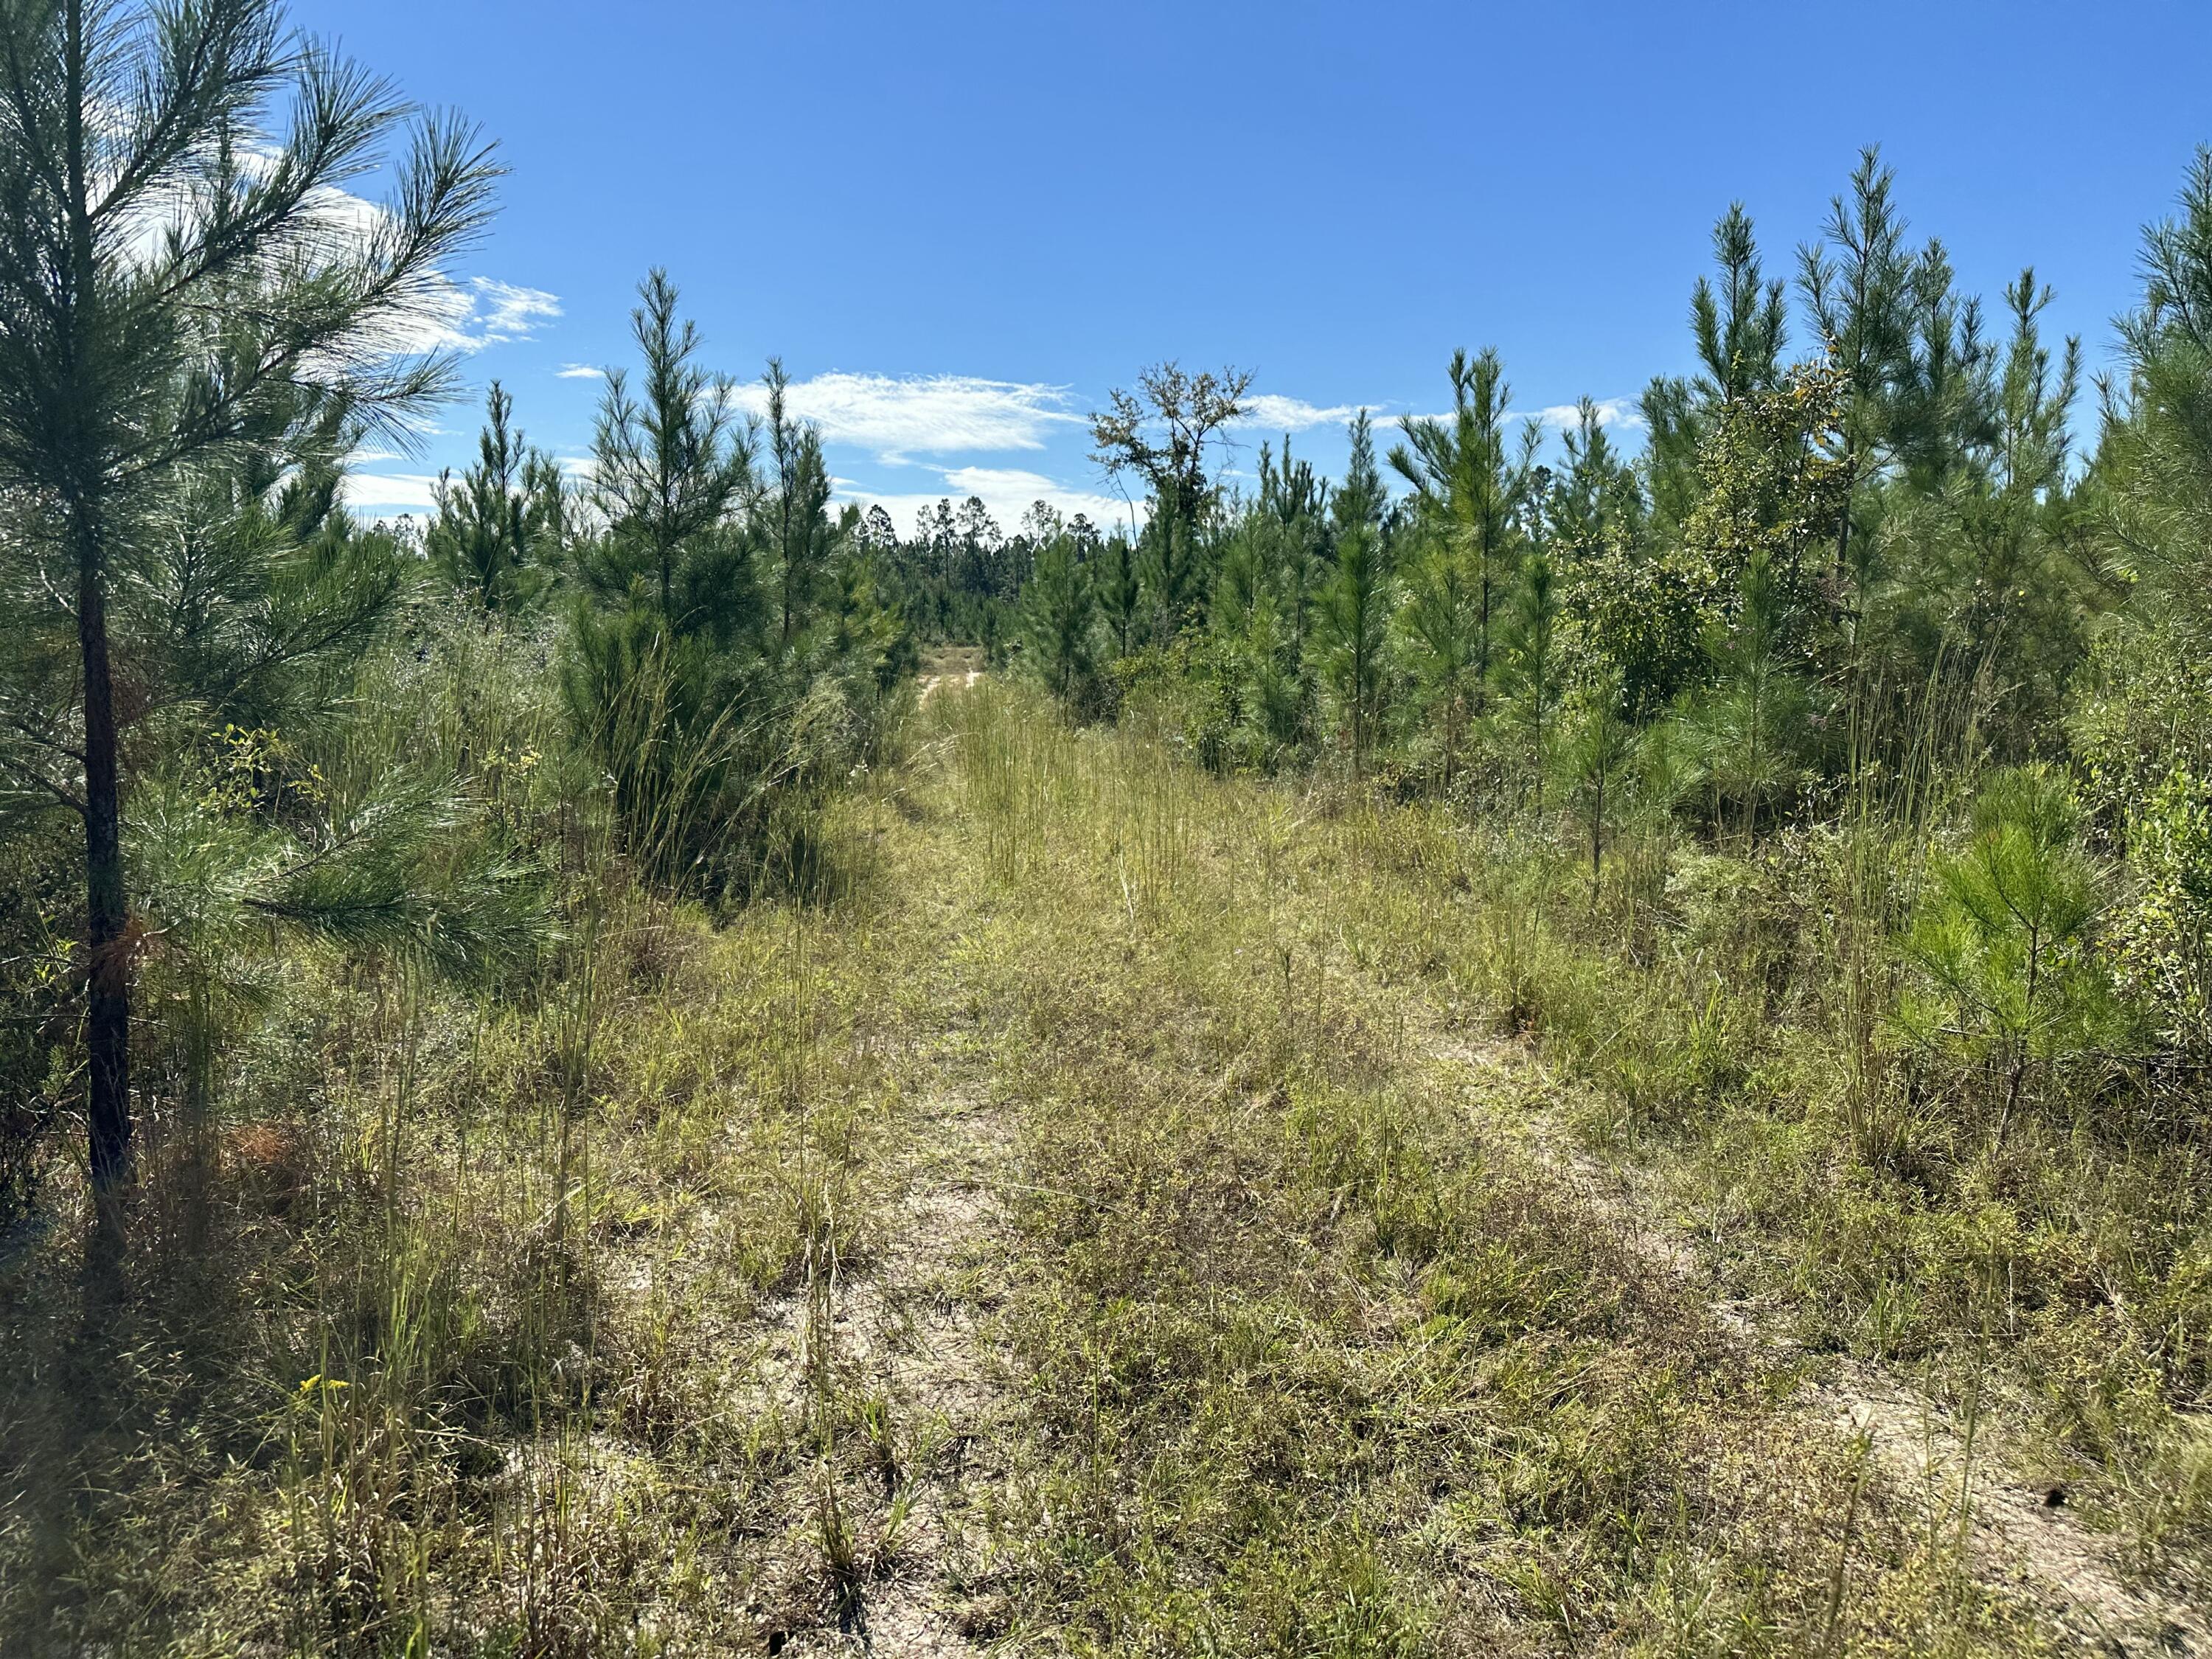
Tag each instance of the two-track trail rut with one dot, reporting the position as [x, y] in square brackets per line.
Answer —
[901, 1335]
[2016, 1538]
[894, 1343]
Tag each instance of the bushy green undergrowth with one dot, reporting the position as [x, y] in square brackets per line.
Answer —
[1315, 1356]
[1983, 1184]
[413, 1334]
[512, 1324]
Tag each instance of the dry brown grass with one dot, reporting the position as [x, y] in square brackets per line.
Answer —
[1106, 1225]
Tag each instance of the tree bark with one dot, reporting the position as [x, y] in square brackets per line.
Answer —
[107, 991]
[108, 944]
[1597, 835]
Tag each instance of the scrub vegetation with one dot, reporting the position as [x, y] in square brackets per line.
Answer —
[1544, 1048]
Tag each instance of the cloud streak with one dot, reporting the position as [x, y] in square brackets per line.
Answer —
[388, 495]
[1271, 411]
[1620, 412]
[898, 417]
[482, 311]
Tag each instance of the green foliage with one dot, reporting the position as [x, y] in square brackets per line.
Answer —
[796, 537]
[2161, 937]
[1596, 757]
[407, 873]
[2142, 717]
[2004, 941]
[1465, 492]
[1120, 595]
[176, 308]
[1751, 731]
[671, 467]
[498, 534]
[1981, 580]
[1530, 667]
[1441, 629]
[1740, 328]
[1647, 615]
[1353, 616]
[1164, 431]
[1059, 614]
[1170, 561]
[731, 652]
[1773, 490]
[1595, 501]
[1264, 608]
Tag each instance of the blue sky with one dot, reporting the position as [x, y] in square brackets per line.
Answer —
[959, 224]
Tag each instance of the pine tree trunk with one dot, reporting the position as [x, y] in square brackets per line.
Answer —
[107, 948]
[1597, 836]
[107, 992]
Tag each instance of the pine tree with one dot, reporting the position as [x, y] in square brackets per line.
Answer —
[128, 362]
[1984, 578]
[1261, 608]
[1939, 409]
[1057, 612]
[1597, 498]
[1741, 328]
[2001, 939]
[800, 539]
[1359, 499]
[1355, 607]
[672, 467]
[1530, 665]
[1293, 505]
[1599, 749]
[651, 678]
[2143, 720]
[1121, 594]
[1463, 488]
[1440, 630]
[1739, 331]
[1750, 730]
[1171, 563]
[260, 583]
[499, 526]
[1857, 296]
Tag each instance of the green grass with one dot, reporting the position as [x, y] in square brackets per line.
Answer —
[1243, 1146]
[1316, 1355]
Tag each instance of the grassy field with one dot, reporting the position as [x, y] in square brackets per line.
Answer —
[1126, 1212]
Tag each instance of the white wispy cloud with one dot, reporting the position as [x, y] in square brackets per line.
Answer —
[578, 372]
[900, 416]
[463, 314]
[506, 311]
[1563, 418]
[388, 495]
[479, 312]
[1271, 411]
